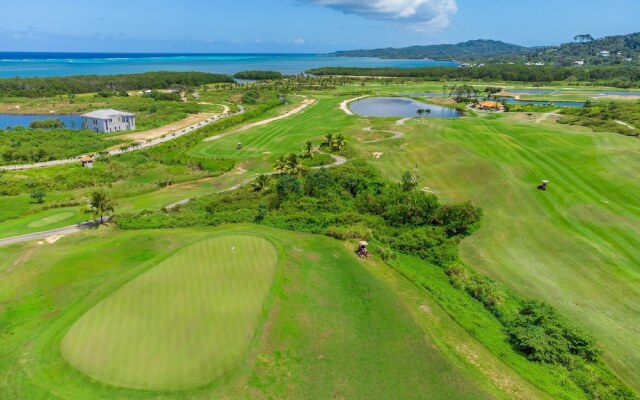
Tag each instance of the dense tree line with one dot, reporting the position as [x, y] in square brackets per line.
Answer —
[53, 86]
[622, 76]
[258, 75]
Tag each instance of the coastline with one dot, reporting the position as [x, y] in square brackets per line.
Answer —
[38, 64]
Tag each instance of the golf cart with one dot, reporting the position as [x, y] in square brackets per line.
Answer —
[362, 250]
[543, 185]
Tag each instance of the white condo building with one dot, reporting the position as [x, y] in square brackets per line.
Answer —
[109, 121]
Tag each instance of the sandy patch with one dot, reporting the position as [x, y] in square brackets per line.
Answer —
[170, 128]
[54, 239]
[212, 138]
[344, 106]
[425, 309]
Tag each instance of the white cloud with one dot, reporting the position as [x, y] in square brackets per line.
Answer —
[418, 14]
[298, 42]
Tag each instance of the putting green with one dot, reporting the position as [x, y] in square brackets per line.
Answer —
[183, 323]
[52, 219]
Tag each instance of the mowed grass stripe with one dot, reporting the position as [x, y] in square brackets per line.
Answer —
[576, 245]
[181, 325]
[265, 143]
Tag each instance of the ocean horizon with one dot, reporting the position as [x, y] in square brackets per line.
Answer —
[43, 64]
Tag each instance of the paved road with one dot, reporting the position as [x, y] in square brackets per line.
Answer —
[67, 230]
[138, 146]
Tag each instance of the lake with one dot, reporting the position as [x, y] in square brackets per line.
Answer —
[64, 64]
[398, 107]
[531, 91]
[625, 94]
[13, 120]
[510, 100]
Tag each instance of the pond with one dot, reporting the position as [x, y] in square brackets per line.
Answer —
[625, 94]
[14, 120]
[532, 91]
[425, 94]
[510, 100]
[398, 107]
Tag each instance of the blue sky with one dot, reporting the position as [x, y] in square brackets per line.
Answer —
[302, 26]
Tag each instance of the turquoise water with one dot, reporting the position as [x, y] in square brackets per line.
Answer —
[510, 100]
[65, 64]
[13, 120]
[399, 107]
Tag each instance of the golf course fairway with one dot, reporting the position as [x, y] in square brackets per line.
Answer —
[183, 323]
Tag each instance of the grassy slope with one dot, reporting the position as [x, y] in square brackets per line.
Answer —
[334, 329]
[181, 325]
[577, 245]
[263, 145]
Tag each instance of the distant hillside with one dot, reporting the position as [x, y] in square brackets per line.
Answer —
[622, 49]
[467, 51]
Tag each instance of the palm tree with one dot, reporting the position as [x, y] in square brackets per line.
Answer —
[339, 142]
[100, 203]
[426, 111]
[261, 184]
[328, 141]
[307, 150]
[420, 111]
[292, 165]
[280, 164]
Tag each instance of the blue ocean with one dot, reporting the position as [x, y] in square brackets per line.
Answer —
[14, 64]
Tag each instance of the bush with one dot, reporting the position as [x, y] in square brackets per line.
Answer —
[47, 124]
[538, 332]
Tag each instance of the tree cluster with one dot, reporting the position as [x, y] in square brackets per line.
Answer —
[620, 76]
[53, 86]
[258, 75]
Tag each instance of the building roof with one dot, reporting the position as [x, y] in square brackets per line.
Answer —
[107, 114]
[491, 104]
[86, 159]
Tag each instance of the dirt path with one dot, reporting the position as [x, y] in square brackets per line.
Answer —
[547, 115]
[344, 106]
[168, 129]
[305, 103]
[633, 128]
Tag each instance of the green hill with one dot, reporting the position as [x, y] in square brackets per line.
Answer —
[622, 50]
[466, 51]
